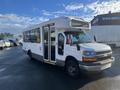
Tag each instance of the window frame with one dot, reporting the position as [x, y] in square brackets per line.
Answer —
[61, 53]
[32, 36]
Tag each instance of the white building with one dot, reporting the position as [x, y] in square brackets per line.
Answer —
[106, 28]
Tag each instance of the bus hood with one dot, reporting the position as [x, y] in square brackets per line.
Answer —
[95, 46]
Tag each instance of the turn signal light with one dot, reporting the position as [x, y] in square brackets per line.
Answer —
[88, 59]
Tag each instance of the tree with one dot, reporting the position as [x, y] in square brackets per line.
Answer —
[5, 35]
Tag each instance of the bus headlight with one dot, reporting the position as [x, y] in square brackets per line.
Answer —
[89, 56]
[89, 53]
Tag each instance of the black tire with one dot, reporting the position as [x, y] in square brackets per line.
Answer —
[72, 68]
[1, 48]
[20, 44]
[29, 54]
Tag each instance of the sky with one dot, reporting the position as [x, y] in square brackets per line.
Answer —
[15, 15]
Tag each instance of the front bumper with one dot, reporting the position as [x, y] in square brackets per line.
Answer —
[97, 66]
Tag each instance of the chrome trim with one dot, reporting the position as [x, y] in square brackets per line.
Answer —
[102, 65]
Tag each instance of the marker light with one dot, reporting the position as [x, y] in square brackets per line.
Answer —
[88, 59]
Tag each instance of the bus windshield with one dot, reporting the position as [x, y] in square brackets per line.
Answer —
[77, 37]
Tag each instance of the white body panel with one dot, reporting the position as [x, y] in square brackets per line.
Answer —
[98, 47]
[36, 48]
[2, 44]
[107, 34]
[61, 25]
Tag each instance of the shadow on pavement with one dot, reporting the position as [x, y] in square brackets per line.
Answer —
[55, 78]
[26, 74]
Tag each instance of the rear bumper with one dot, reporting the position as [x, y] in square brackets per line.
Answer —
[97, 66]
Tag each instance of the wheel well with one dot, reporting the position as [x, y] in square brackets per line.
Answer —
[29, 51]
[69, 58]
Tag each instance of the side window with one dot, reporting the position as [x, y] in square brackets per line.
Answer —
[38, 36]
[26, 36]
[32, 36]
[60, 44]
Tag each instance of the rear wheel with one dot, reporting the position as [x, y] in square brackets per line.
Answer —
[1, 48]
[72, 68]
[29, 54]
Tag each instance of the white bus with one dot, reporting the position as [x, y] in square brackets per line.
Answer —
[65, 41]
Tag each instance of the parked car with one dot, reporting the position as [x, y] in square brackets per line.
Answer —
[2, 44]
[7, 43]
[13, 43]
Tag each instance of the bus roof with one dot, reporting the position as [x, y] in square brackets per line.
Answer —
[63, 21]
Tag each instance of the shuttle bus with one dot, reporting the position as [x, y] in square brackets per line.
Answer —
[67, 42]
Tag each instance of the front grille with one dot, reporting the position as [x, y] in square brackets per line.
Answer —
[100, 58]
[103, 55]
[103, 52]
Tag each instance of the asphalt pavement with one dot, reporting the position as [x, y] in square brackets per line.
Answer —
[18, 72]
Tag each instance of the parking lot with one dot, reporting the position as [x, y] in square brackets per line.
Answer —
[18, 72]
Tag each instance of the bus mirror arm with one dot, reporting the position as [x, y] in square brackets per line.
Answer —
[94, 38]
[78, 47]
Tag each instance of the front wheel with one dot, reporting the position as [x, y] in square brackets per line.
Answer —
[29, 54]
[72, 68]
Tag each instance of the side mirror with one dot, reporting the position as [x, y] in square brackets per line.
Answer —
[78, 47]
[94, 38]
